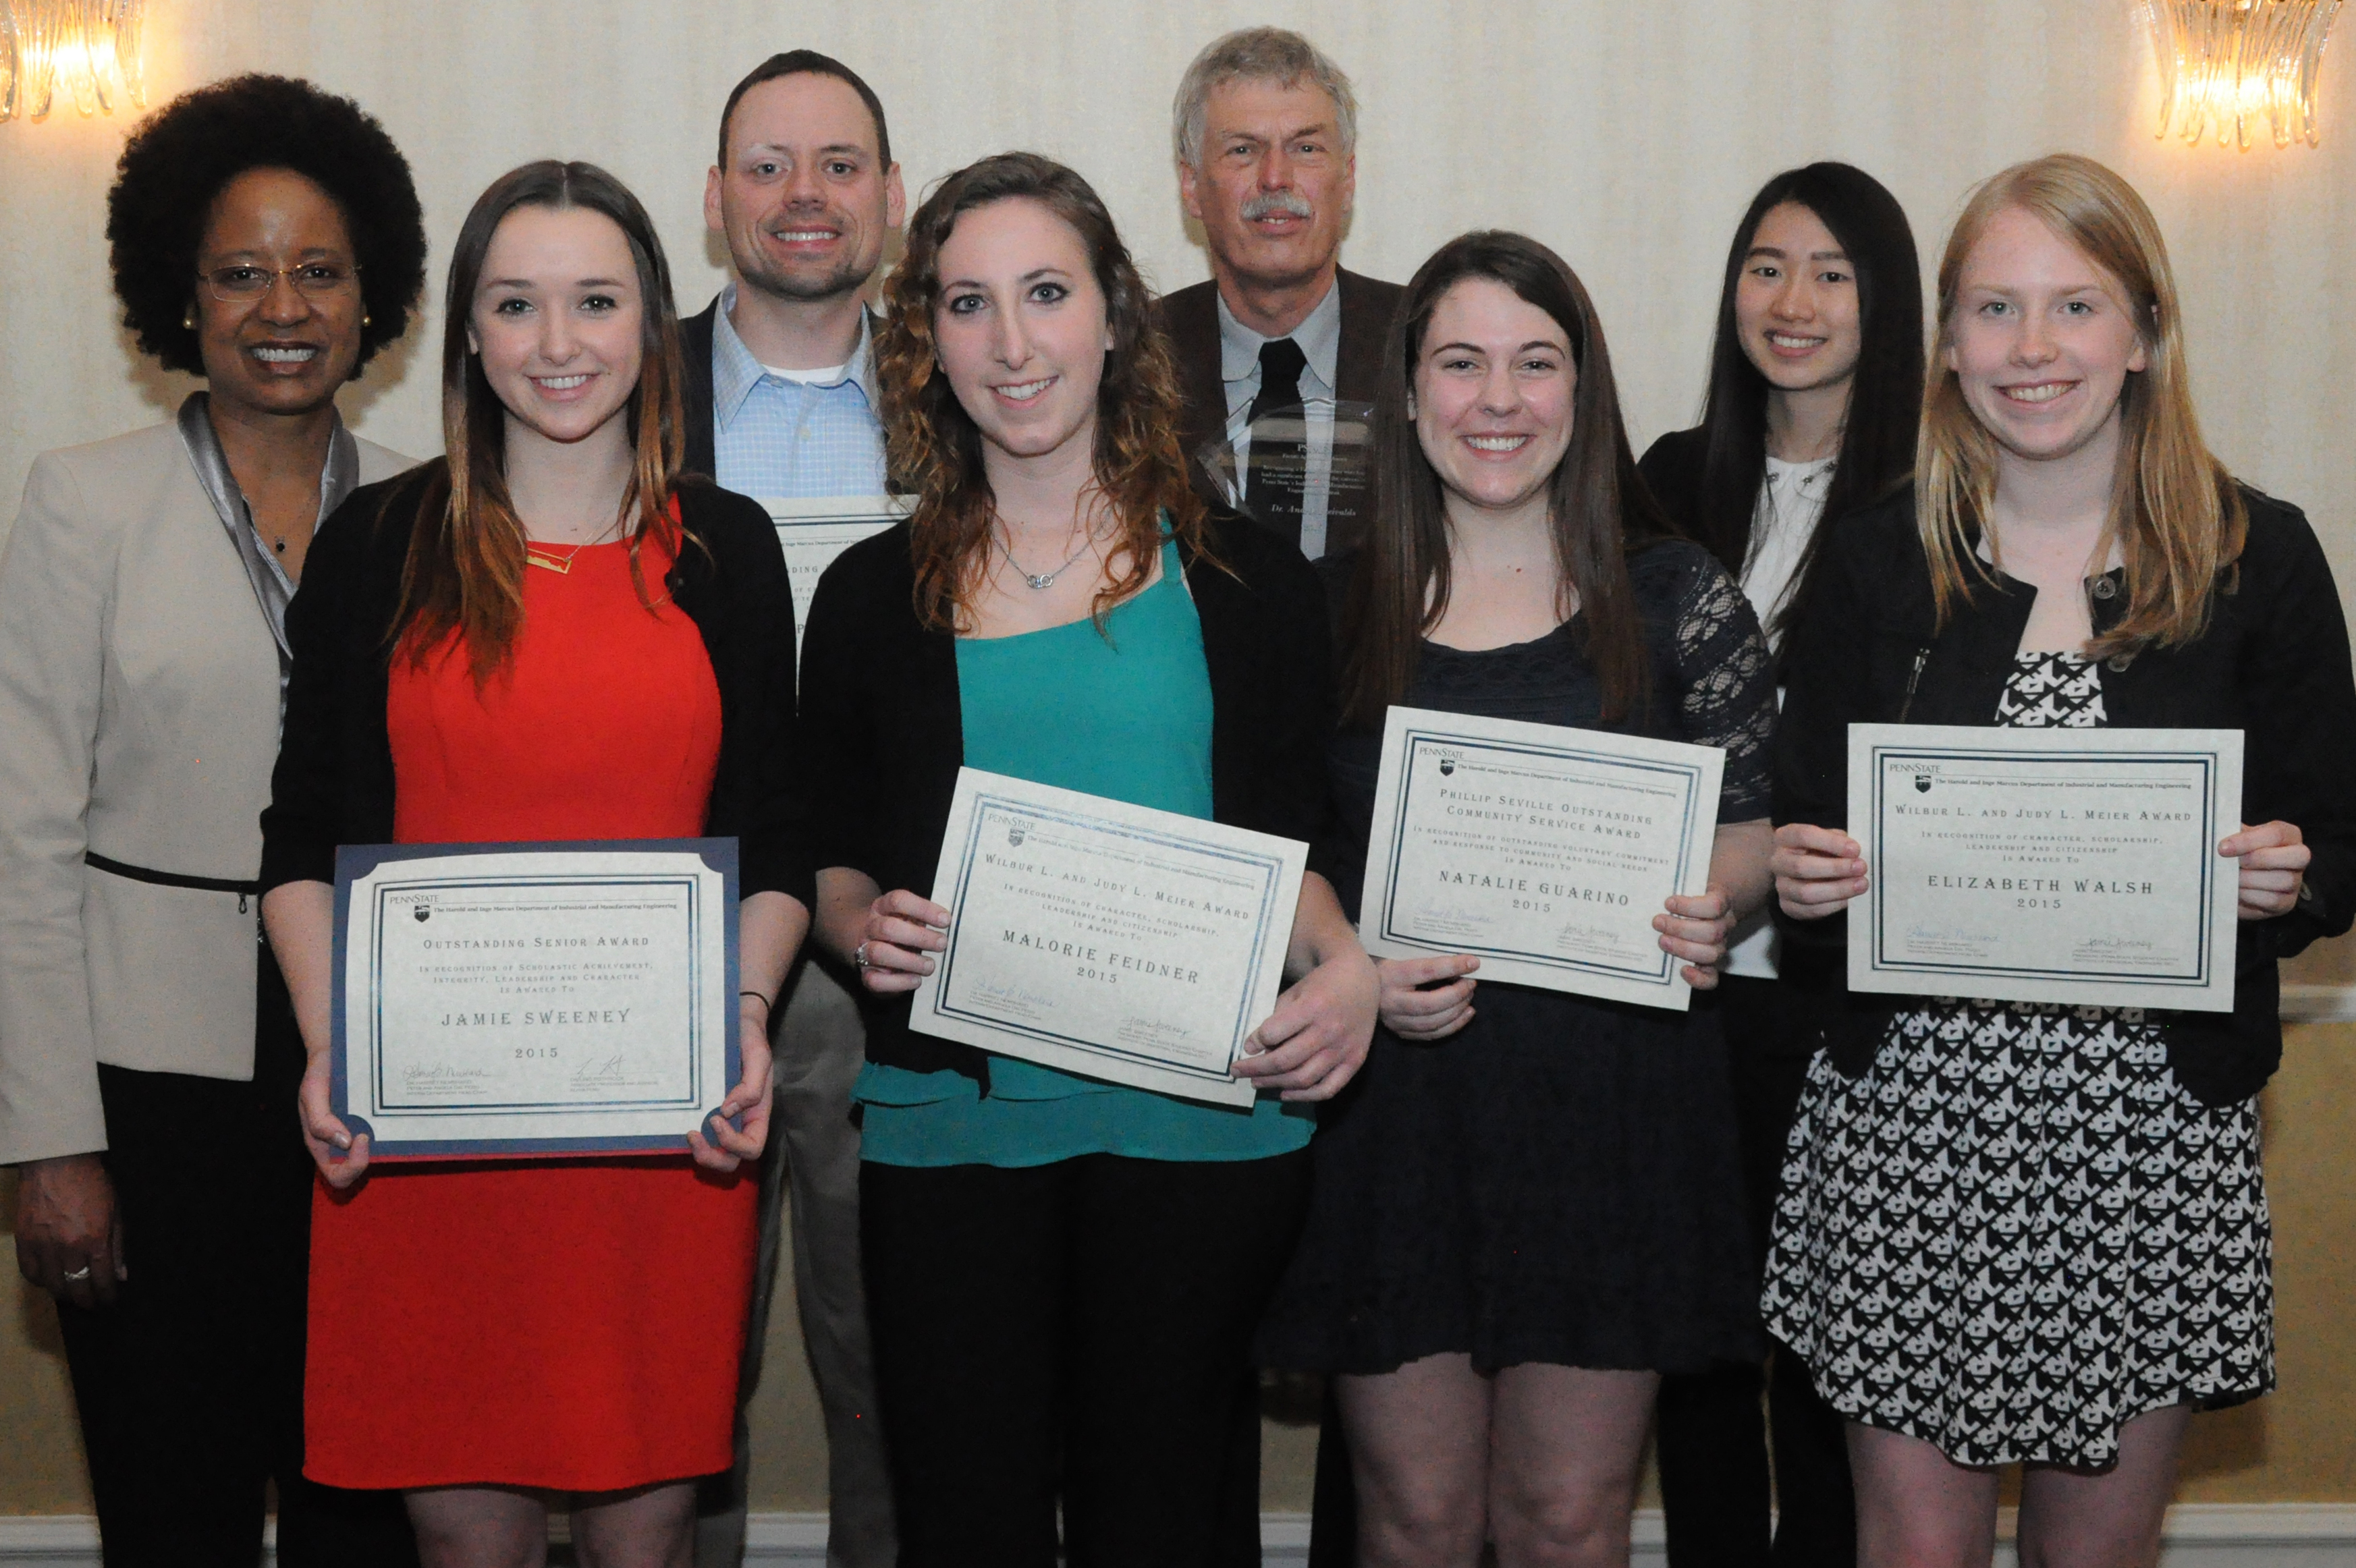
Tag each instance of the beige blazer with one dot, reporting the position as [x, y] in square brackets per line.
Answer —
[138, 721]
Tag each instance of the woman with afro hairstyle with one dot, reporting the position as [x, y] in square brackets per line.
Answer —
[265, 237]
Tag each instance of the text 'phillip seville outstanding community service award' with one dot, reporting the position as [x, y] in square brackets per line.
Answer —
[534, 999]
[1126, 944]
[1542, 850]
[2075, 866]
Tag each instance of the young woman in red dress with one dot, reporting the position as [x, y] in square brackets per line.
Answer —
[550, 635]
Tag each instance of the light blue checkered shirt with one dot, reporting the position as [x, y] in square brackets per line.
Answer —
[777, 439]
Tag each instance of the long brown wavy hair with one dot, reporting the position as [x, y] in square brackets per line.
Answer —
[2177, 519]
[465, 566]
[932, 443]
[1600, 508]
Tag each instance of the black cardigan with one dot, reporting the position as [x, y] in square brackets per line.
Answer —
[695, 388]
[1672, 469]
[883, 735]
[2274, 664]
[334, 782]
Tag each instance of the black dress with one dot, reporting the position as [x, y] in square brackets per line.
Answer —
[1557, 1182]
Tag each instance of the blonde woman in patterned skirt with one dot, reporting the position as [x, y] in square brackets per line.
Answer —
[2018, 1232]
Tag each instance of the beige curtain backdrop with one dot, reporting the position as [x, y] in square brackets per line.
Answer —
[1627, 135]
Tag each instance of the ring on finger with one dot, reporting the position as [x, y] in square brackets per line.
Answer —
[859, 956]
[76, 1275]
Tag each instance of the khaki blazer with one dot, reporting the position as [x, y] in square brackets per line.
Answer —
[139, 722]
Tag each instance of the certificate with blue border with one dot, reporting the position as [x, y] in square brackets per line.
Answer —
[1129, 944]
[522, 999]
[1542, 850]
[2074, 866]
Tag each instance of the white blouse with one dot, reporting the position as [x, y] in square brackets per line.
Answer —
[1790, 503]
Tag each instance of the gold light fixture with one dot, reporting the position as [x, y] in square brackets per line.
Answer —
[86, 50]
[2223, 64]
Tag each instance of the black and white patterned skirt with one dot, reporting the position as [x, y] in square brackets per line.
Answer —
[2016, 1233]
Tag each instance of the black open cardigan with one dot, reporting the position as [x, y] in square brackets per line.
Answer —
[882, 736]
[333, 781]
[2273, 664]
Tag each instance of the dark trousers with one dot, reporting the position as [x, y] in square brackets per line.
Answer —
[1334, 1496]
[1711, 1438]
[190, 1386]
[1076, 1331]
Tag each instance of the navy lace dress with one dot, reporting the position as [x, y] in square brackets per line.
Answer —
[1557, 1182]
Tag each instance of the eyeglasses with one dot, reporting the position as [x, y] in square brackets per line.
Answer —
[245, 284]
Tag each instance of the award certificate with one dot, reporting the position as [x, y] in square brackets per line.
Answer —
[1106, 939]
[534, 999]
[814, 532]
[1541, 851]
[2075, 866]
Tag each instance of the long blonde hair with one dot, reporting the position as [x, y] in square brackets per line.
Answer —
[2177, 520]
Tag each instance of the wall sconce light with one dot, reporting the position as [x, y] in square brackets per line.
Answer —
[89, 49]
[2224, 63]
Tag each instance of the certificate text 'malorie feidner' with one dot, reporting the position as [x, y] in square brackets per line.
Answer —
[1087, 954]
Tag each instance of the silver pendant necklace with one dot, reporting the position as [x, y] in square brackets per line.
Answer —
[1041, 581]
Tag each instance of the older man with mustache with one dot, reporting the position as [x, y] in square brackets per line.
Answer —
[1266, 133]
[1265, 128]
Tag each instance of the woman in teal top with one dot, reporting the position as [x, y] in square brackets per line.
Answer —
[1132, 707]
[1064, 1275]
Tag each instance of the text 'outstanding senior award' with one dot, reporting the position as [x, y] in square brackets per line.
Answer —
[525, 999]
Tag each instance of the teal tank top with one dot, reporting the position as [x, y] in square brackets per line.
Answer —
[1123, 713]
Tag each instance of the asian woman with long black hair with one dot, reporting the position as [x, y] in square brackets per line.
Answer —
[1815, 386]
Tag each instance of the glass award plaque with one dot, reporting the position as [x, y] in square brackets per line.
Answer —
[1304, 471]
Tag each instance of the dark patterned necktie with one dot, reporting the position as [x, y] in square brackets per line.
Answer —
[1279, 460]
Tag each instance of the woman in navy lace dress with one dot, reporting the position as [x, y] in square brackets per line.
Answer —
[1529, 1207]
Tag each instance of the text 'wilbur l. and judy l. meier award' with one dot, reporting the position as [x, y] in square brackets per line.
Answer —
[1134, 945]
[2075, 866]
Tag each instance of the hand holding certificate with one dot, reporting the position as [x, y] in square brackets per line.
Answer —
[1134, 945]
[2076, 866]
[1544, 851]
[534, 1000]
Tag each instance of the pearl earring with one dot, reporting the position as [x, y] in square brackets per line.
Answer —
[189, 317]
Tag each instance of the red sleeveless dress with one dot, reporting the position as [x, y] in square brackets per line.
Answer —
[573, 1325]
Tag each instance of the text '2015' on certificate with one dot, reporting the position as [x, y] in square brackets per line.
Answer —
[517, 1000]
[1542, 851]
[1125, 944]
[2075, 866]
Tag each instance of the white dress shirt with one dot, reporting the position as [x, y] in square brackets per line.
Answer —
[1791, 502]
